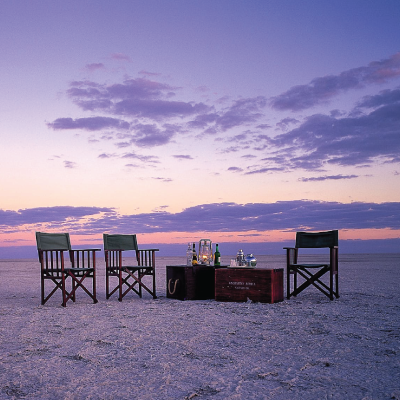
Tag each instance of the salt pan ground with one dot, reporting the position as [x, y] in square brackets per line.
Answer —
[303, 348]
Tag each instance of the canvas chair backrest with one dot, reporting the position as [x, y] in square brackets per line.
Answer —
[317, 239]
[120, 242]
[52, 241]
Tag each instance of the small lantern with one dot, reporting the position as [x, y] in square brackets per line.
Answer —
[205, 252]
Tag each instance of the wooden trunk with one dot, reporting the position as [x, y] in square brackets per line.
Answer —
[190, 283]
[242, 284]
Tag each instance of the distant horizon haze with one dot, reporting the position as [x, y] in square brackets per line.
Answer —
[228, 249]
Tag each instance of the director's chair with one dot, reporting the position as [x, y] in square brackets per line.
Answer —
[130, 277]
[312, 273]
[51, 248]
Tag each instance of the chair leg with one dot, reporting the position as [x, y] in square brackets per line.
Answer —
[64, 292]
[290, 293]
[73, 291]
[42, 289]
[154, 284]
[107, 285]
[94, 288]
[288, 282]
[337, 285]
[120, 285]
[334, 285]
[290, 272]
[111, 273]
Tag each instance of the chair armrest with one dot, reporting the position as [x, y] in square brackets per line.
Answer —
[288, 248]
[85, 250]
[148, 249]
[40, 250]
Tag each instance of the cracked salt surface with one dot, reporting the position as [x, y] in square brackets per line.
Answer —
[304, 348]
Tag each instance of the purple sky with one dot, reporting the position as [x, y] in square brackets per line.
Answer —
[242, 120]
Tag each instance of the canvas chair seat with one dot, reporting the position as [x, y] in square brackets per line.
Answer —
[51, 248]
[328, 239]
[310, 265]
[128, 268]
[123, 278]
[137, 268]
[79, 269]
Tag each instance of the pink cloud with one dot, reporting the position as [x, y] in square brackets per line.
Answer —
[120, 57]
[147, 73]
[94, 67]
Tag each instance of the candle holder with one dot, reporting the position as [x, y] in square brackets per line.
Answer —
[205, 252]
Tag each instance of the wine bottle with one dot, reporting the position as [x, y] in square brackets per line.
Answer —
[189, 255]
[194, 259]
[217, 256]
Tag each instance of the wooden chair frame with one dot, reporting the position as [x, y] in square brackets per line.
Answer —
[130, 277]
[51, 249]
[328, 239]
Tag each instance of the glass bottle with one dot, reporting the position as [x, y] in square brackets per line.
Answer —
[240, 258]
[217, 256]
[194, 259]
[189, 255]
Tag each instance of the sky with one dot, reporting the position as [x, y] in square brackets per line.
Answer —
[238, 121]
